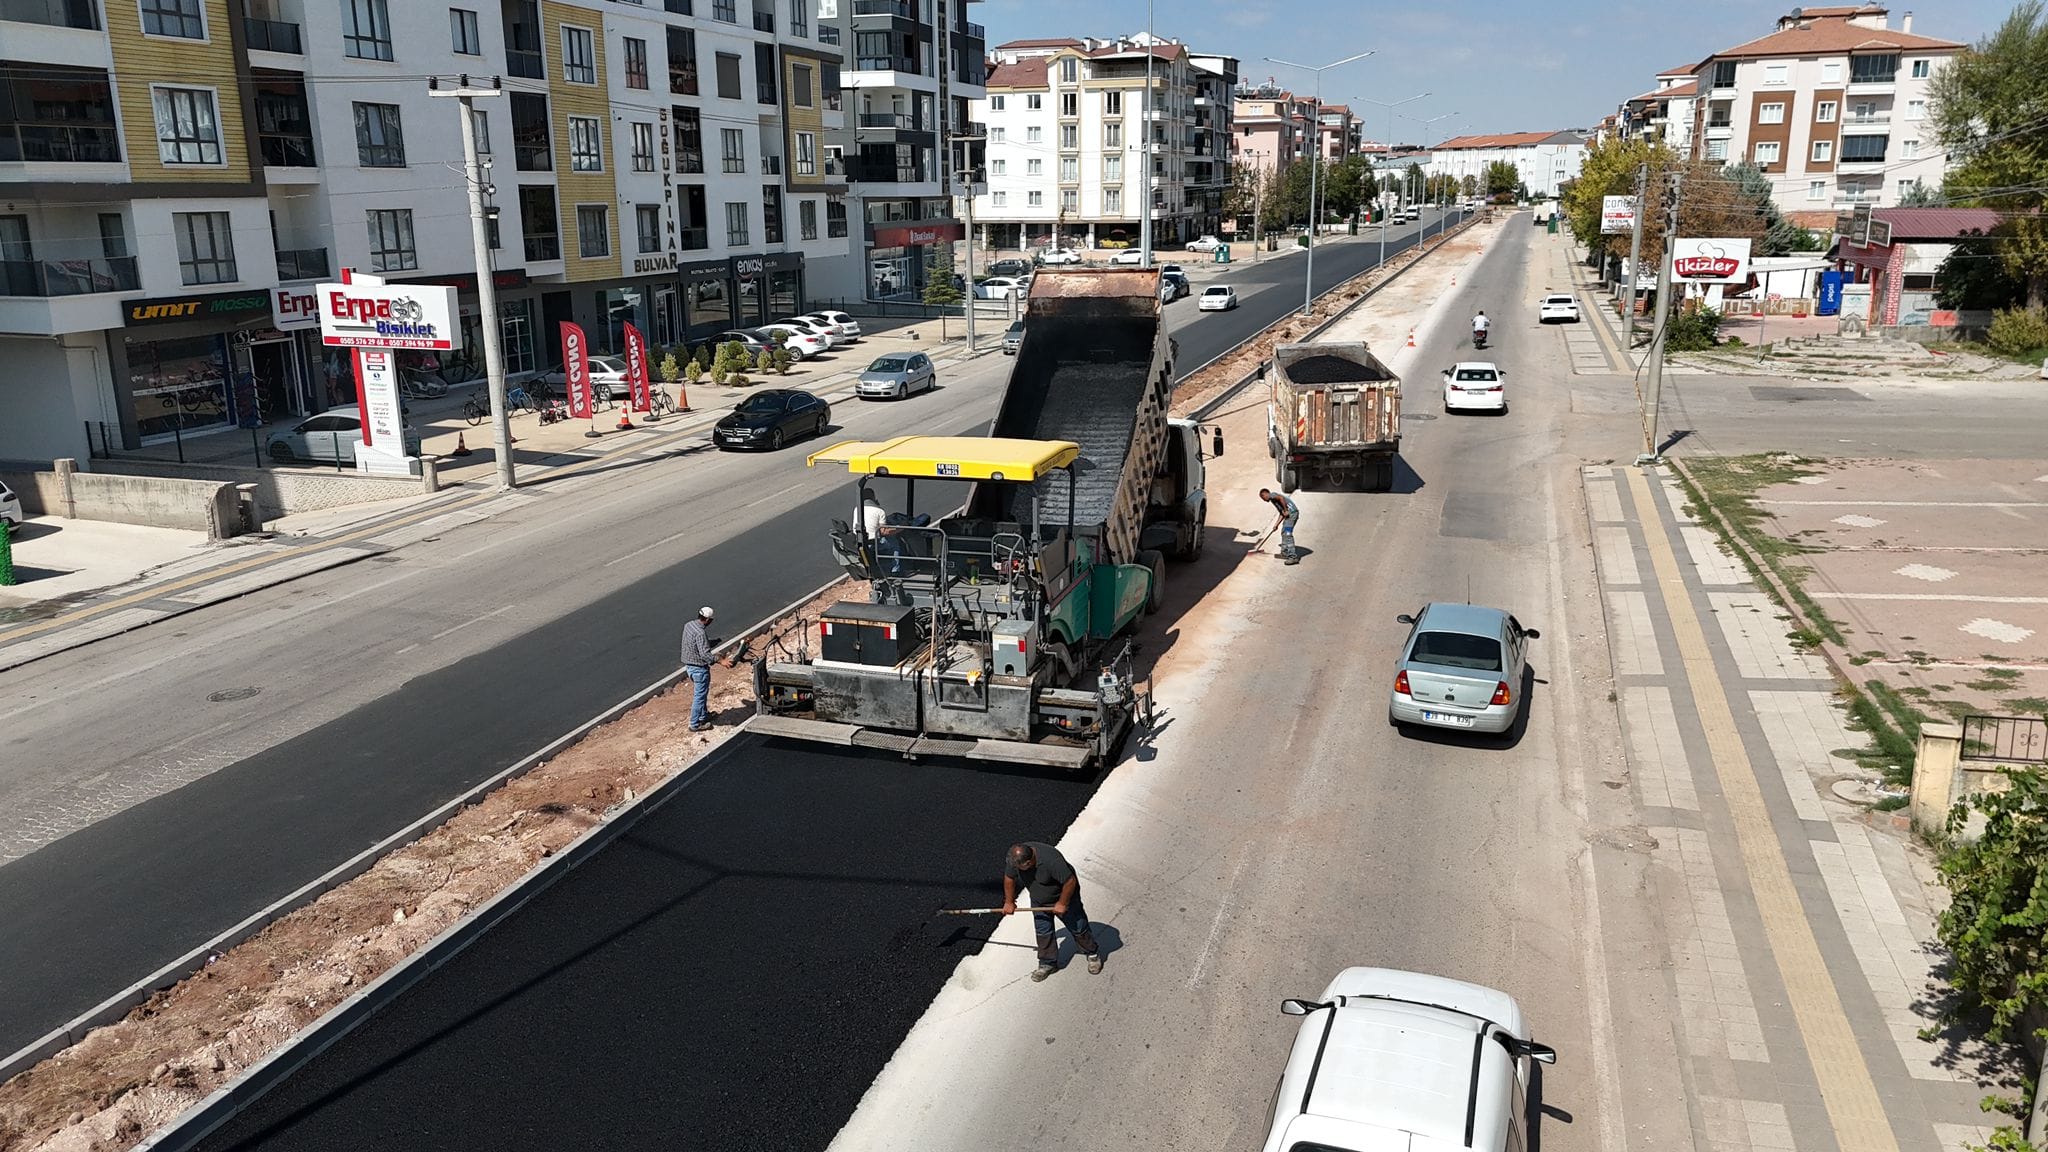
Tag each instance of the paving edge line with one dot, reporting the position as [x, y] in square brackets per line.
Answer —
[117, 1006]
[1230, 392]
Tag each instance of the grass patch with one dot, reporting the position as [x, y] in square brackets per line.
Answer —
[2027, 704]
[1728, 485]
[1859, 661]
[2002, 673]
[1987, 685]
[1892, 803]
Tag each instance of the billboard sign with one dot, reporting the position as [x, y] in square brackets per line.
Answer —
[1710, 261]
[415, 316]
[1617, 215]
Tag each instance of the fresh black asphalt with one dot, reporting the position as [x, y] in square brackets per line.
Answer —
[92, 913]
[731, 973]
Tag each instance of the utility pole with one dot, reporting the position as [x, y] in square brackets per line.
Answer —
[1635, 263]
[465, 95]
[966, 178]
[1258, 206]
[1145, 130]
[1660, 326]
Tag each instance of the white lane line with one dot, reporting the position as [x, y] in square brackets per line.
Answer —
[498, 611]
[1908, 503]
[1936, 596]
[1216, 924]
[668, 539]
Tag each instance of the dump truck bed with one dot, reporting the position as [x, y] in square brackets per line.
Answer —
[1335, 396]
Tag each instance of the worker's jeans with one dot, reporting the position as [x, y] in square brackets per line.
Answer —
[1077, 926]
[1287, 534]
[700, 693]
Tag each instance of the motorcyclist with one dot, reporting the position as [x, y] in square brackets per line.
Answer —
[1480, 326]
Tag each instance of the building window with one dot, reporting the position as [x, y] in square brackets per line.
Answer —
[764, 73]
[800, 86]
[532, 150]
[1034, 167]
[462, 31]
[643, 146]
[586, 144]
[380, 139]
[1033, 102]
[579, 56]
[1070, 69]
[185, 19]
[1915, 109]
[732, 149]
[800, 17]
[724, 10]
[682, 61]
[1070, 200]
[806, 154]
[1921, 69]
[1035, 199]
[593, 231]
[999, 199]
[1824, 112]
[835, 217]
[1112, 201]
[1113, 135]
[737, 232]
[1034, 135]
[771, 214]
[113, 236]
[1070, 169]
[1717, 149]
[1831, 72]
[1776, 73]
[999, 167]
[647, 224]
[728, 75]
[1112, 103]
[1823, 151]
[1112, 169]
[997, 135]
[1863, 149]
[1816, 189]
[366, 29]
[689, 141]
[206, 247]
[995, 103]
[807, 220]
[1770, 114]
[1070, 136]
[1070, 103]
[1909, 149]
[1874, 69]
[1766, 153]
[636, 63]
[391, 247]
[186, 131]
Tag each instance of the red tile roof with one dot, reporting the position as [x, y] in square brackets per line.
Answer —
[1833, 37]
[1026, 73]
[1681, 70]
[1055, 42]
[1502, 140]
[1936, 223]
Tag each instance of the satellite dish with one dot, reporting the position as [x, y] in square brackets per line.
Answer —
[1797, 13]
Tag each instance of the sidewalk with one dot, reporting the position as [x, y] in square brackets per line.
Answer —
[1800, 924]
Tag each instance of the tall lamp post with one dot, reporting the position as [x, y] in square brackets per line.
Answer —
[1389, 144]
[1425, 176]
[1308, 287]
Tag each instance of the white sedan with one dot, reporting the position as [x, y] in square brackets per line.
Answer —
[1475, 386]
[330, 437]
[1000, 288]
[817, 328]
[1217, 298]
[1559, 306]
[801, 343]
[1128, 256]
[843, 326]
[1060, 256]
[607, 377]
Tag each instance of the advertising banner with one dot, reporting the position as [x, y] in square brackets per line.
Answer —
[1710, 261]
[383, 416]
[1617, 215]
[360, 314]
[636, 369]
[576, 371]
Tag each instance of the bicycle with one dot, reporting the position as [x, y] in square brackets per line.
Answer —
[659, 404]
[474, 410]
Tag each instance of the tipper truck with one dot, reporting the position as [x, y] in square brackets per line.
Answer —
[1003, 630]
[1333, 414]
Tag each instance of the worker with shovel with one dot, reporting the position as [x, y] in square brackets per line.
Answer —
[1055, 891]
[1287, 515]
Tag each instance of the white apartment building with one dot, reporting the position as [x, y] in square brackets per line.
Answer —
[178, 174]
[1070, 134]
[1545, 160]
[1664, 112]
[1832, 107]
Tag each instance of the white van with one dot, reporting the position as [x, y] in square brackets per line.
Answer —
[1392, 1059]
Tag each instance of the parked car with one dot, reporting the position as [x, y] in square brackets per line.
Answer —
[754, 341]
[897, 376]
[1387, 1059]
[607, 377]
[843, 326]
[999, 288]
[1204, 244]
[1461, 667]
[1013, 338]
[10, 507]
[1133, 255]
[1060, 256]
[1179, 281]
[328, 438]
[1011, 267]
[1475, 386]
[771, 418]
[800, 342]
[1217, 298]
[815, 327]
[1558, 306]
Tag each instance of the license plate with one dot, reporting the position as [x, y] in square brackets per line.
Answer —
[1448, 718]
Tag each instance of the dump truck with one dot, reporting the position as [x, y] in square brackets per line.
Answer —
[1003, 631]
[1333, 414]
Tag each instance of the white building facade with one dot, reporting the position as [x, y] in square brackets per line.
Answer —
[1544, 160]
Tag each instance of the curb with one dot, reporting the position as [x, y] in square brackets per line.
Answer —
[117, 1006]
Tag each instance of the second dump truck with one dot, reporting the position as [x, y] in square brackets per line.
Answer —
[1333, 415]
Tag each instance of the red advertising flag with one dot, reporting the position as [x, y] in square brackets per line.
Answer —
[576, 371]
[636, 370]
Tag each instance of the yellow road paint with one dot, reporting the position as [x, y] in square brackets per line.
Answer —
[1846, 1088]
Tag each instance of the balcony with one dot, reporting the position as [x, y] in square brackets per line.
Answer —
[1850, 165]
[764, 21]
[286, 151]
[543, 246]
[905, 64]
[1876, 122]
[1872, 82]
[885, 173]
[1854, 199]
[272, 36]
[693, 239]
[46, 278]
[64, 144]
[771, 165]
[302, 264]
[524, 64]
[901, 120]
[81, 14]
[907, 9]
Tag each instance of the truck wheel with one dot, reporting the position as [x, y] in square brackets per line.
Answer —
[1154, 559]
[1290, 478]
[1197, 538]
[1272, 446]
[1384, 475]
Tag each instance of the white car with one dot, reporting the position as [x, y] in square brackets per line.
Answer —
[1217, 298]
[801, 343]
[1000, 288]
[1060, 256]
[10, 507]
[1204, 244]
[1559, 306]
[1128, 256]
[1475, 386]
[1387, 1059]
[816, 328]
[843, 326]
[329, 438]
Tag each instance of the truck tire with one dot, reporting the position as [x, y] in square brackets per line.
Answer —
[1272, 446]
[1192, 550]
[1154, 559]
[1290, 478]
[1384, 475]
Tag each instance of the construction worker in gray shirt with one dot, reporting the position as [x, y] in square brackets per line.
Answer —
[697, 645]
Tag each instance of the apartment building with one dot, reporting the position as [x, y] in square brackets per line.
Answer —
[1270, 127]
[1831, 107]
[1070, 128]
[178, 174]
[1336, 132]
[913, 69]
[1545, 160]
[1665, 112]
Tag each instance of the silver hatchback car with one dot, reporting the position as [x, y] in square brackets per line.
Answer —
[896, 376]
[1462, 668]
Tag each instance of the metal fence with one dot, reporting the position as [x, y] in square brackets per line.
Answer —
[2014, 739]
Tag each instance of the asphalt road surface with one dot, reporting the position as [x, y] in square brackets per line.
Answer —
[139, 817]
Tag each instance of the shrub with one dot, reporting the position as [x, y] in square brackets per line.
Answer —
[2019, 332]
[670, 370]
[765, 362]
[1998, 886]
[1692, 331]
[732, 360]
[783, 359]
[693, 371]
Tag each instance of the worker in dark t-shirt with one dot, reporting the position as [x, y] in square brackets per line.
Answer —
[1055, 891]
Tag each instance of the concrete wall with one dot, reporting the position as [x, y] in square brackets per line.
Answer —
[49, 388]
[279, 492]
[160, 502]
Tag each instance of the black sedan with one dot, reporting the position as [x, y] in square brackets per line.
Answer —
[771, 418]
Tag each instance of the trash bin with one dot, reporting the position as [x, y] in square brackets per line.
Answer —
[1301, 241]
[1272, 243]
[1553, 224]
[1354, 225]
[1222, 255]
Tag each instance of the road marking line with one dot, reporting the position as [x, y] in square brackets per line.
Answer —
[1846, 1088]
[1223, 909]
[1935, 596]
[498, 611]
[1908, 503]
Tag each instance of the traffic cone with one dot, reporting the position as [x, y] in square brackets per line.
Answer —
[1411, 337]
[625, 421]
[682, 398]
[461, 448]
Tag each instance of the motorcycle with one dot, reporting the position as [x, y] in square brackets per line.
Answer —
[1479, 338]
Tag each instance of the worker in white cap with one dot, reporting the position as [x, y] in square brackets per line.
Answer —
[697, 645]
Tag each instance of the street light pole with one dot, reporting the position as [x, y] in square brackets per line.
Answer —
[1425, 176]
[1308, 287]
[1388, 144]
[486, 285]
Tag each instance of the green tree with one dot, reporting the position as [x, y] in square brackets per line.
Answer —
[1987, 105]
[1973, 276]
[1241, 199]
[1347, 186]
[1502, 179]
[1918, 194]
[1752, 192]
[939, 290]
[1469, 186]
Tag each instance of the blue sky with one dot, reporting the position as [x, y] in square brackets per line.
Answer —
[1495, 63]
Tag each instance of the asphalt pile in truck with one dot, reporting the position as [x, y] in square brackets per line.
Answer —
[1335, 370]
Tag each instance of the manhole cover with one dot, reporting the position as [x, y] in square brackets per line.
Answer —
[227, 694]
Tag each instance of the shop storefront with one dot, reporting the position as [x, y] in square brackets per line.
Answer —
[707, 299]
[184, 365]
[900, 256]
[517, 325]
[738, 292]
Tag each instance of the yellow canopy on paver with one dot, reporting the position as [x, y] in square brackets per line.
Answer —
[951, 457]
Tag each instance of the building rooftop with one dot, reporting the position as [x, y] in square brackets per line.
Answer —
[1507, 140]
[1822, 35]
[1028, 72]
[1936, 223]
